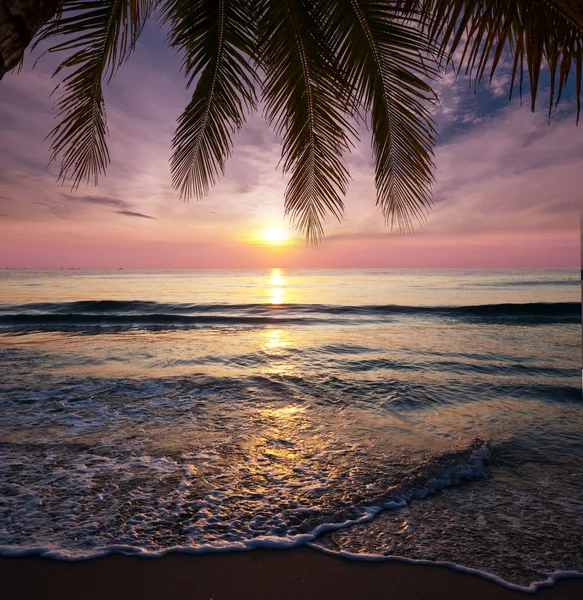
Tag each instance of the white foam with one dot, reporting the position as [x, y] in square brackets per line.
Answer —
[279, 543]
[213, 525]
[274, 542]
[221, 495]
[537, 585]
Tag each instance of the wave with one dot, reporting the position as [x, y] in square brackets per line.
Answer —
[528, 283]
[73, 542]
[545, 581]
[115, 314]
[73, 320]
[271, 542]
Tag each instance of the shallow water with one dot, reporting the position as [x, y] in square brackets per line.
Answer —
[429, 415]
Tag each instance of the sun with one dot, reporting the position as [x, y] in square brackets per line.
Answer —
[276, 236]
[273, 236]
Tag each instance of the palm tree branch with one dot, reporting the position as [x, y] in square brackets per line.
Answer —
[535, 32]
[303, 102]
[383, 49]
[100, 35]
[217, 41]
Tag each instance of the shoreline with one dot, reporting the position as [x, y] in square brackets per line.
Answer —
[260, 574]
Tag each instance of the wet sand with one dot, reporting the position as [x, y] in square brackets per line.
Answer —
[262, 574]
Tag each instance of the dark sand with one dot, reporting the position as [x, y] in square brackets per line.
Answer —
[261, 574]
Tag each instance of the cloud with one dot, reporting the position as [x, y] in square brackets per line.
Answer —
[103, 201]
[513, 172]
[129, 213]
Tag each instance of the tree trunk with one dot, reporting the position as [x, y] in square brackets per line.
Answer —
[19, 21]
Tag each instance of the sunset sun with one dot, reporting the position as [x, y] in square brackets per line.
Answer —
[275, 236]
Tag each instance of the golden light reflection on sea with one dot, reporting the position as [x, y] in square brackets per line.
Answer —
[276, 290]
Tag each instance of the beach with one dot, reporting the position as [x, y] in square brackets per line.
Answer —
[257, 575]
[432, 416]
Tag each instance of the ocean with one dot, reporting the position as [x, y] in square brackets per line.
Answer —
[419, 415]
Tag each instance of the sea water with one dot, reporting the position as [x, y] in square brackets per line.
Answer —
[426, 415]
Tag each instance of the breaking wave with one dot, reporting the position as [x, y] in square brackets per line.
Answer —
[120, 315]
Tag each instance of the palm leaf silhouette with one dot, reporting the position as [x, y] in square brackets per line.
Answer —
[217, 44]
[321, 66]
[100, 35]
[536, 32]
[389, 61]
[303, 102]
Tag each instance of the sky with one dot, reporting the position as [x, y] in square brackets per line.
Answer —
[507, 193]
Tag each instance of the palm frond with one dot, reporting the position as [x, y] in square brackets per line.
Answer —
[100, 34]
[19, 24]
[218, 39]
[307, 107]
[388, 59]
[536, 32]
[323, 63]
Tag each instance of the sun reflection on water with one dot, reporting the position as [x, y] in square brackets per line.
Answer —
[274, 343]
[276, 339]
[277, 296]
[276, 277]
[276, 291]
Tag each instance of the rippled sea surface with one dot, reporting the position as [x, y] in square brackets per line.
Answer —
[433, 415]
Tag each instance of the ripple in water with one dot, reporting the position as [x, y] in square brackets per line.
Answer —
[351, 418]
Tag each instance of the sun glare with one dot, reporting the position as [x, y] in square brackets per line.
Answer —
[276, 287]
[276, 236]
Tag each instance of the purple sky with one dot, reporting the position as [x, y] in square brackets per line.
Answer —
[508, 189]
